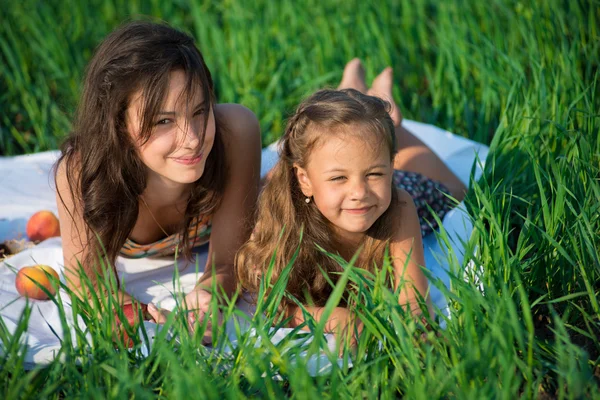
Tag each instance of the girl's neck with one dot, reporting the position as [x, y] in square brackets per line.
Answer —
[348, 243]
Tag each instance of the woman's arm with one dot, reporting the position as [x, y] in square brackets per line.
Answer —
[406, 249]
[75, 239]
[231, 222]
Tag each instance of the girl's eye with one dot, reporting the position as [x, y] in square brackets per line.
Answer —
[337, 178]
[199, 112]
[375, 174]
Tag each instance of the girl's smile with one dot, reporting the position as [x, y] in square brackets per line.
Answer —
[349, 180]
[358, 211]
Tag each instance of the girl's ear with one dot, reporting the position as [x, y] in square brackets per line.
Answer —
[303, 180]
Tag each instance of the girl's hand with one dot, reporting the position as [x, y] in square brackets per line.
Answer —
[198, 307]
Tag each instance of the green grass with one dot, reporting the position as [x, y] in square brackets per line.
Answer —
[521, 76]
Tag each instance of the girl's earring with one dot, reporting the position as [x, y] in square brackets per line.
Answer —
[307, 200]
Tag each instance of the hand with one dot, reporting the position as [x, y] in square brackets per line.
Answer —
[158, 316]
[197, 304]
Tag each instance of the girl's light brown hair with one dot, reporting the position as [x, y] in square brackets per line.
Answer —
[105, 174]
[282, 212]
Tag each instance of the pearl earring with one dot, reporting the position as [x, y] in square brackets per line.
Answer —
[307, 200]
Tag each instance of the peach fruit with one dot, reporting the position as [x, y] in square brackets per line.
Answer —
[27, 278]
[42, 225]
[130, 312]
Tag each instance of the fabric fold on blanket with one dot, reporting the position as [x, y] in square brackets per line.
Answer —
[28, 186]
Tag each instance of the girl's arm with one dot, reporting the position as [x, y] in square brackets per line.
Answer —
[406, 249]
[340, 322]
[231, 222]
[75, 238]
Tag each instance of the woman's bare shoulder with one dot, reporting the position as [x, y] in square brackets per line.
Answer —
[240, 123]
[67, 171]
[236, 117]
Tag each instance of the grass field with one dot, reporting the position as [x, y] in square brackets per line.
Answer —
[521, 76]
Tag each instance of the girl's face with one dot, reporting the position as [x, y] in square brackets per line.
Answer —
[350, 182]
[174, 153]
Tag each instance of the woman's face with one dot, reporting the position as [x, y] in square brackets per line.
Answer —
[174, 153]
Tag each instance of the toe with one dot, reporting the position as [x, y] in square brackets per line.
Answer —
[354, 76]
[382, 88]
[383, 82]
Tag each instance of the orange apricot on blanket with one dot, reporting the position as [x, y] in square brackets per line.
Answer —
[27, 278]
[42, 225]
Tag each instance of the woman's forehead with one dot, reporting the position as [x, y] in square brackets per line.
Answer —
[182, 92]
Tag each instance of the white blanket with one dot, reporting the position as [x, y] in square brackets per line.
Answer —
[28, 186]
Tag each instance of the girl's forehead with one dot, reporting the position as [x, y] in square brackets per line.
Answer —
[356, 135]
[363, 132]
[348, 151]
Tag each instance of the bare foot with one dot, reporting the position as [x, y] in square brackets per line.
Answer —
[382, 88]
[354, 76]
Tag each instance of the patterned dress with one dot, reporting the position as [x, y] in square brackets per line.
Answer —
[199, 234]
[430, 197]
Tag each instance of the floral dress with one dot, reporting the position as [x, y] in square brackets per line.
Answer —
[430, 197]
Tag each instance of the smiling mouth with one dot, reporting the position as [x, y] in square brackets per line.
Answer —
[358, 211]
[189, 160]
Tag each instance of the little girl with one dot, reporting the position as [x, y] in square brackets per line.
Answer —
[154, 165]
[335, 181]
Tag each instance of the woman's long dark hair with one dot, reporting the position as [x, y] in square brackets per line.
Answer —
[105, 174]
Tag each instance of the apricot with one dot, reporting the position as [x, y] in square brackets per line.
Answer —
[130, 312]
[42, 225]
[29, 280]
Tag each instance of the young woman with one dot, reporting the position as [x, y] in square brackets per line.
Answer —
[154, 164]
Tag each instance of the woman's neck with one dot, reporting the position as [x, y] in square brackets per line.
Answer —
[160, 193]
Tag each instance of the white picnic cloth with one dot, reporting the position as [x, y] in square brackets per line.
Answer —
[27, 184]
